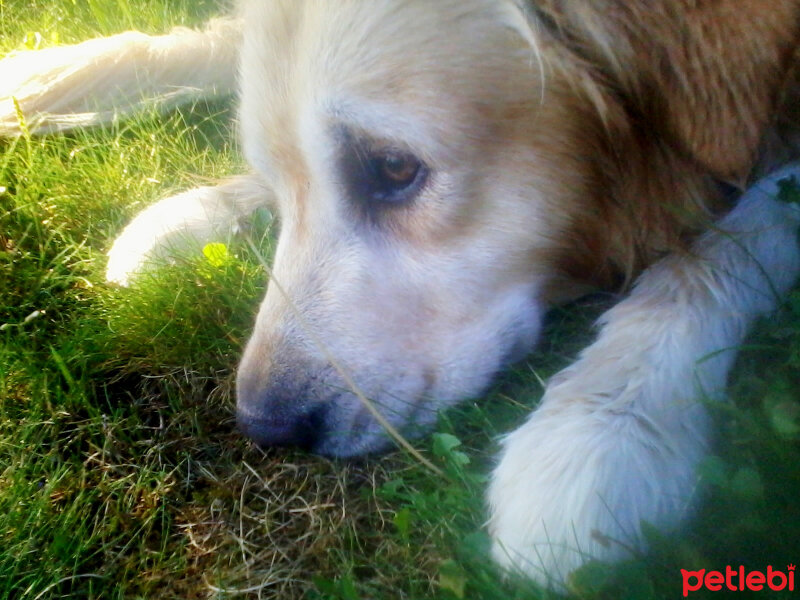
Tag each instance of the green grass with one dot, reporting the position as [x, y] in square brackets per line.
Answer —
[121, 474]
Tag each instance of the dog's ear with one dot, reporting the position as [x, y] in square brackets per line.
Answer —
[704, 76]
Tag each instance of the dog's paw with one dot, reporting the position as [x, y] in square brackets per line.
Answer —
[578, 480]
[178, 225]
[185, 223]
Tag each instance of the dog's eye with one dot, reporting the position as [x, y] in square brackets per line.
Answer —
[395, 176]
[378, 174]
[396, 170]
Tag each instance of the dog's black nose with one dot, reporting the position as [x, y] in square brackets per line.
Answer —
[278, 397]
[281, 427]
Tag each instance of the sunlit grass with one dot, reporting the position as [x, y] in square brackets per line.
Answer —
[121, 473]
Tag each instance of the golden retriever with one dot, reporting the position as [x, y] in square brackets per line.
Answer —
[444, 171]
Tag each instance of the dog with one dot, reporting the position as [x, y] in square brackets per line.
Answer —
[443, 173]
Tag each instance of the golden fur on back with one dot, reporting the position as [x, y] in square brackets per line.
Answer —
[554, 146]
[674, 97]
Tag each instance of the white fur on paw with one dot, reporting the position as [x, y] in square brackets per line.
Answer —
[576, 481]
[179, 223]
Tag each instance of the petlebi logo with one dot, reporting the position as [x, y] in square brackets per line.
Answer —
[738, 580]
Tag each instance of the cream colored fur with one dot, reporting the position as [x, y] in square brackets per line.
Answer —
[190, 219]
[92, 83]
[424, 303]
[619, 433]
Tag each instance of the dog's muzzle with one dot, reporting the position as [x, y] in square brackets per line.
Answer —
[301, 430]
[282, 411]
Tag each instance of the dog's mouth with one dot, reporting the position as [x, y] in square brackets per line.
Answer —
[331, 420]
[290, 395]
[313, 409]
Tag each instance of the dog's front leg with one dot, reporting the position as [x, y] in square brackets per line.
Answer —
[189, 219]
[619, 434]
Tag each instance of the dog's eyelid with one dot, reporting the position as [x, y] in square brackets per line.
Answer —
[367, 143]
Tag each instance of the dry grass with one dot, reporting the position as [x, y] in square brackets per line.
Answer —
[122, 475]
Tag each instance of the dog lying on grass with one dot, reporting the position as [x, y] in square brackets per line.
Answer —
[446, 171]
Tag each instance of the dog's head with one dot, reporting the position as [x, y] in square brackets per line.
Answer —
[415, 239]
[436, 173]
